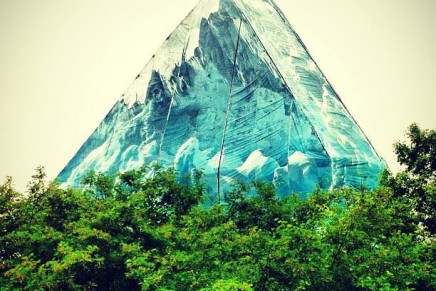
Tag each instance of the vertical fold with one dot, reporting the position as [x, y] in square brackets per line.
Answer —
[226, 120]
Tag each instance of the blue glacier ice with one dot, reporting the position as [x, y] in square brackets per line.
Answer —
[234, 92]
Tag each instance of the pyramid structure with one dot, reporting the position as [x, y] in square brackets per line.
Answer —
[233, 92]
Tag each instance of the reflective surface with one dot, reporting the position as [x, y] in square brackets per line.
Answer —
[233, 92]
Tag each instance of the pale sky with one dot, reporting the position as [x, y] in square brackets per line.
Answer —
[64, 63]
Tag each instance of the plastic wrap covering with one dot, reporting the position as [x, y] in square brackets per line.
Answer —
[233, 92]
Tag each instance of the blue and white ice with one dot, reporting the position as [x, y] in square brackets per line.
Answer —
[233, 90]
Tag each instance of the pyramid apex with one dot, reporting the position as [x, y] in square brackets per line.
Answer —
[233, 88]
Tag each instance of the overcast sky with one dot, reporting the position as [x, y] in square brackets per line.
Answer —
[64, 63]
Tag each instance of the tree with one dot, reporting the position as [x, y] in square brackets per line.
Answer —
[419, 154]
[417, 182]
[142, 231]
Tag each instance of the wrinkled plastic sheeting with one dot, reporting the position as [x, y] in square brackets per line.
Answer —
[233, 92]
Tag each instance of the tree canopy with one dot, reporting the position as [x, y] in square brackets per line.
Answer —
[135, 231]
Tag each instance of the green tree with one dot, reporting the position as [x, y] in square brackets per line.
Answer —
[417, 182]
[148, 229]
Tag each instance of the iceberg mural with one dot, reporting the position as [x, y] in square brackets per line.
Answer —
[233, 92]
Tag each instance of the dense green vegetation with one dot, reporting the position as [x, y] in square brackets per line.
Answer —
[132, 232]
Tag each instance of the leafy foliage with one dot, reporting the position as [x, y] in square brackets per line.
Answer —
[148, 230]
[417, 183]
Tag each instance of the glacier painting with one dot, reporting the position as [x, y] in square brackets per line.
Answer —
[233, 92]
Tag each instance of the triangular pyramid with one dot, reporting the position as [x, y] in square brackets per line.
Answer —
[233, 91]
